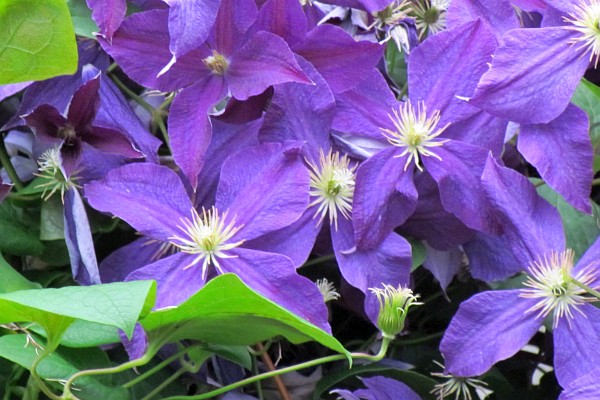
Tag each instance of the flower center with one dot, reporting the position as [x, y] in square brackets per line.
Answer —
[207, 235]
[391, 14]
[67, 133]
[429, 15]
[50, 169]
[332, 186]
[415, 132]
[458, 387]
[551, 281]
[586, 19]
[217, 63]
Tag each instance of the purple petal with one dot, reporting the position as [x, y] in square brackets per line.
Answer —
[111, 141]
[274, 276]
[174, 283]
[457, 175]
[141, 47]
[10, 89]
[461, 52]
[149, 197]
[45, 121]
[189, 124]
[84, 105]
[78, 238]
[366, 108]
[264, 60]
[444, 265]
[493, 258]
[498, 14]
[489, 327]
[266, 187]
[589, 258]
[370, 6]
[586, 387]
[575, 349]
[533, 75]
[341, 60]
[137, 346]
[128, 258]
[382, 388]
[233, 20]
[480, 129]
[562, 153]
[531, 225]
[283, 18]
[383, 199]
[226, 140]
[116, 114]
[301, 112]
[108, 14]
[190, 22]
[4, 189]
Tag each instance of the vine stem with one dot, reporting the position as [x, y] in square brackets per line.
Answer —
[319, 260]
[338, 357]
[585, 287]
[10, 169]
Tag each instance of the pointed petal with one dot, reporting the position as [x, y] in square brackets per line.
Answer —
[111, 141]
[341, 60]
[562, 153]
[190, 22]
[149, 197]
[174, 283]
[141, 48]
[137, 346]
[384, 198]
[590, 257]
[189, 125]
[480, 129]
[489, 327]
[575, 352]
[493, 258]
[461, 52]
[533, 76]
[283, 18]
[10, 89]
[383, 388]
[84, 104]
[266, 187]
[233, 20]
[108, 14]
[444, 265]
[274, 276]
[78, 238]
[264, 60]
[457, 175]
[498, 14]
[301, 112]
[45, 121]
[120, 263]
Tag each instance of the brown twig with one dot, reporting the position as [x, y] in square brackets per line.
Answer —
[269, 363]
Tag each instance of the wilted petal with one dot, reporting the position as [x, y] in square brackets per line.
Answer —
[266, 187]
[384, 198]
[533, 75]
[149, 197]
[264, 60]
[78, 238]
[562, 153]
[274, 276]
[489, 327]
[189, 125]
[575, 349]
[341, 60]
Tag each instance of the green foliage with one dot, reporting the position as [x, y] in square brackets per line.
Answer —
[20, 232]
[11, 280]
[81, 16]
[37, 40]
[227, 312]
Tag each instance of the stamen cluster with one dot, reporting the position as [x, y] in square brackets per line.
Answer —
[217, 63]
[207, 235]
[415, 132]
[332, 186]
[551, 281]
[586, 19]
[50, 169]
[458, 387]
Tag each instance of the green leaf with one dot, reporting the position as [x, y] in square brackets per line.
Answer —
[115, 304]
[52, 226]
[417, 382]
[63, 363]
[85, 334]
[37, 40]
[19, 234]
[12, 280]
[581, 230]
[419, 253]
[396, 64]
[587, 97]
[226, 311]
[81, 16]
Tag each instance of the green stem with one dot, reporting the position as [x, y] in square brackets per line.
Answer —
[32, 390]
[403, 91]
[165, 383]
[585, 287]
[157, 367]
[132, 94]
[338, 357]
[319, 260]
[259, 390]
[10, 170]
[40, 383]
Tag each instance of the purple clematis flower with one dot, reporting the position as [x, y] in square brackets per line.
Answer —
[492, 326]
[212, 240]
[232, 62]
[379, 388]
[586, 387]
[535, 71]
[70, 132]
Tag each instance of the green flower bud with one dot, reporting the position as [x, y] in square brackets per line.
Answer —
[393, 307]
